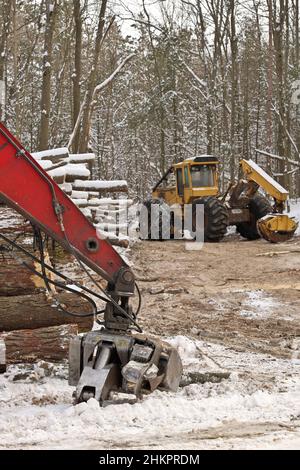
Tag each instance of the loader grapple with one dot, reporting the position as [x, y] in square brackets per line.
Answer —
[103, 362]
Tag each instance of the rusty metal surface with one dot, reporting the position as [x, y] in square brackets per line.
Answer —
[238, 215]
[274, 236]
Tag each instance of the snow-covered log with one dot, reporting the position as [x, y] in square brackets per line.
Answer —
[87, 213]
[48, 344]
[69, 173]
[80, 195]
[101, 186]
[122, 240]
[46, 164]
[55, 155]
[107, 201]
[82, 158]
[66, 187]
[107, 227]
[81, 202]
[39, 311]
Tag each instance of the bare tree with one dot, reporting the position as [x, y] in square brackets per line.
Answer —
[51, 13]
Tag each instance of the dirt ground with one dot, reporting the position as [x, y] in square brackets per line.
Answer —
[243, 294]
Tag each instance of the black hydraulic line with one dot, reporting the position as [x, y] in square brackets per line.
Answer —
[70, 289]
[71, 281]
[50, 268]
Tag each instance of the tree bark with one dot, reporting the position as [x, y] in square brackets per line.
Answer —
[48, 344]
[16, 279]
[77, 69]
[5, 24]
[38, 311]
[91, 83]
[51, 6]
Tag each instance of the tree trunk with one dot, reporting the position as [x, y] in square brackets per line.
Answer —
[48, 344]
[5, 23]
[234, 89]
[91, 83]
[51, 6]
[38, 311]
[77, 69]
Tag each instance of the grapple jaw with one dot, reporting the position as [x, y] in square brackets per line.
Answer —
[103, 362]
[277, 228]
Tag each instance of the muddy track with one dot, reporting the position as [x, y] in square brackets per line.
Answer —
[242, 294]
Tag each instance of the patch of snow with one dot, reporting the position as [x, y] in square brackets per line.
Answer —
[81, 157]
[258, 304]
[295, 212]
[50, 153]
[37, 413]
[97, 184]
[267, 177]
[71, 169]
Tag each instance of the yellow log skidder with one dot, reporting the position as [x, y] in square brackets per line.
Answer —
[196, 181]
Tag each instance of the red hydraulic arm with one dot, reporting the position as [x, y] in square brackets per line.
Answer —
[28, 189]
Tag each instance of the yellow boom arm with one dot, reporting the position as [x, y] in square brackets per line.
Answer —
[275, 227]
[253, 172]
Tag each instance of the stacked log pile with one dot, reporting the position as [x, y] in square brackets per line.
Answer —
[73, 174]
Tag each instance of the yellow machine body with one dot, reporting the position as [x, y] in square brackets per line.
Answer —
[193, 178]
[196, 180]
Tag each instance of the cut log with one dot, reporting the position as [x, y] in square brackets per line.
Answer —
[122, 241]
[12, 222]
[117, 186]
[87, 213]
[109, 202]
[48, 344]
[81, 202]
[16, 279]
[54, 155]
[69, 173]
[82, 158]
[38, 311]
[66, 187]
[80, 195]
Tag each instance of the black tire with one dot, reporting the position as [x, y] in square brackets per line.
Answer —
[215, 218]
[145, 225]
[259, 206]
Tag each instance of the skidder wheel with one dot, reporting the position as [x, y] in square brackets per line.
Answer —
[155, 219]
[215, 218]
[259, 207]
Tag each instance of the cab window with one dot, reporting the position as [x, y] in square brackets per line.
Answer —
[186, 177]
[203, 175]
[179, 181]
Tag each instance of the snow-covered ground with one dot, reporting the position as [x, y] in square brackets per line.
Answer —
[256, 405]
[295, 212]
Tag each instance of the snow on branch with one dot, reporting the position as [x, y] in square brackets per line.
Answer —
[106, 82]
[204, 84]
[97, 89]
[277, 157]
